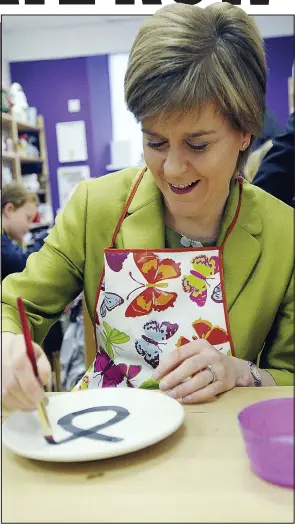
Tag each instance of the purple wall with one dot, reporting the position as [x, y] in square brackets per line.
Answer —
[49, 84]
[100, 110]
[279, 56]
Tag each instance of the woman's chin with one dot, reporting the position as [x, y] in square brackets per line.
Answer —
[185, 210]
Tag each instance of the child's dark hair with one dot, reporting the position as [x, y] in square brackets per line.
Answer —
[17, 195]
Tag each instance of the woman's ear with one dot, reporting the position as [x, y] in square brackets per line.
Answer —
[245, 141]
[8, 209]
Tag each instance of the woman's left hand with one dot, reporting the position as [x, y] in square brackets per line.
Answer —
[191, 362]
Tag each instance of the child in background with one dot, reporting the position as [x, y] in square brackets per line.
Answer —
[18, 208]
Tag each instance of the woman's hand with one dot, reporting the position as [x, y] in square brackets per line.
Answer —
[190, 363]
[20, 388]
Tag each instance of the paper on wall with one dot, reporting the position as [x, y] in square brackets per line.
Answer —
[71, 141]
[68, 177]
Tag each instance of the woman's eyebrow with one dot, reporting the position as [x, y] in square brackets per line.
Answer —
[202, 132]
[148, 132]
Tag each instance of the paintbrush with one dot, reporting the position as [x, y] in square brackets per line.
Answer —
[46, 429]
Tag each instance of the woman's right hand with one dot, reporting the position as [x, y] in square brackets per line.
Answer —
[20, 388]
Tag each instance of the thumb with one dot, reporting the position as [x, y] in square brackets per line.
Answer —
[43, 366]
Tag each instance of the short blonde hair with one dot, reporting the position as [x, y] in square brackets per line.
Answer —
[185, 56]
[17, 195]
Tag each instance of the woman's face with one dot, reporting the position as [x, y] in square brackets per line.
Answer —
[192, 159]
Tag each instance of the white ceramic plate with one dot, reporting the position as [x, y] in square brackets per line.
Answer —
[144, 418]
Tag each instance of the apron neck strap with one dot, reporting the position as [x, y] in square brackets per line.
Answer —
[126, 207]
[240, 181]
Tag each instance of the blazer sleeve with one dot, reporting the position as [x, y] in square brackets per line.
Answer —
[53, 276]
[277, 357]
[276, 172]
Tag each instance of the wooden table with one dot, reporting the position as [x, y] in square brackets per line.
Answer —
[199, 474]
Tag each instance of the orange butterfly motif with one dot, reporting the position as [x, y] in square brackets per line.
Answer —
[215, 335]
[153, 298]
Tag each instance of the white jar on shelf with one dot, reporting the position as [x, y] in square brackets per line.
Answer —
[6, 174]
[31, 182]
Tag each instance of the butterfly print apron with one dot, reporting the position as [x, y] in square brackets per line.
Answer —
[151, 301]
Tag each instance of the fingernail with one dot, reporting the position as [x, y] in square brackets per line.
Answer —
[164, 385]
[188, 398]
[171, 393]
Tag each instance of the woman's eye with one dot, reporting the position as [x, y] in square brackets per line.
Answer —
[155, 145]
[197, 148]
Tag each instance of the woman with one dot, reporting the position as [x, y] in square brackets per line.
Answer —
[199, 260]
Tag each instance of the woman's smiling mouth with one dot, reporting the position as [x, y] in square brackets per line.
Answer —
[183, 188]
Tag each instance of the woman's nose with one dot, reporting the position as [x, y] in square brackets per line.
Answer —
[175, 165]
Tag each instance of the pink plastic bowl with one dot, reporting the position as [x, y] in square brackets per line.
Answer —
[268, 431]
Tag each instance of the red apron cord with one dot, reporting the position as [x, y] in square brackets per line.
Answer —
[126, 207]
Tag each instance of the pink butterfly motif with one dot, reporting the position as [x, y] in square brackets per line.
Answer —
[115, 260]
[113, 374]
[132, 372]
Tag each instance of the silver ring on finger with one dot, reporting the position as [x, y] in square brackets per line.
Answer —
[213, 373]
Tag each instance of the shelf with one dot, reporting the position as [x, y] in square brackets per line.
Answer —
[8, 156]
[31, 160]
[19, 160]
[6, 118]
[22, 126]
[23, 159]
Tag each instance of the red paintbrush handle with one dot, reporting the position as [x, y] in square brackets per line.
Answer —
[27, 335]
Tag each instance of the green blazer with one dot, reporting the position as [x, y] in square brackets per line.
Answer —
[258, 263]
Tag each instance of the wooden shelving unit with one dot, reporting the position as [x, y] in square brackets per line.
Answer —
[20, 164]
[30, 160]
[8, 156]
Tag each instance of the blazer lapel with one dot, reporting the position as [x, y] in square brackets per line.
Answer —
[242, 248]
[144, 227]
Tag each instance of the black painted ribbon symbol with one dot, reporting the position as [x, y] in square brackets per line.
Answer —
[92, 433]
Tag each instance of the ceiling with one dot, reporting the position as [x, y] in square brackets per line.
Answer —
[269, 25]
[23, 22]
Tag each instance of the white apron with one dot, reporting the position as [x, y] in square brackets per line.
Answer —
[151, 301]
